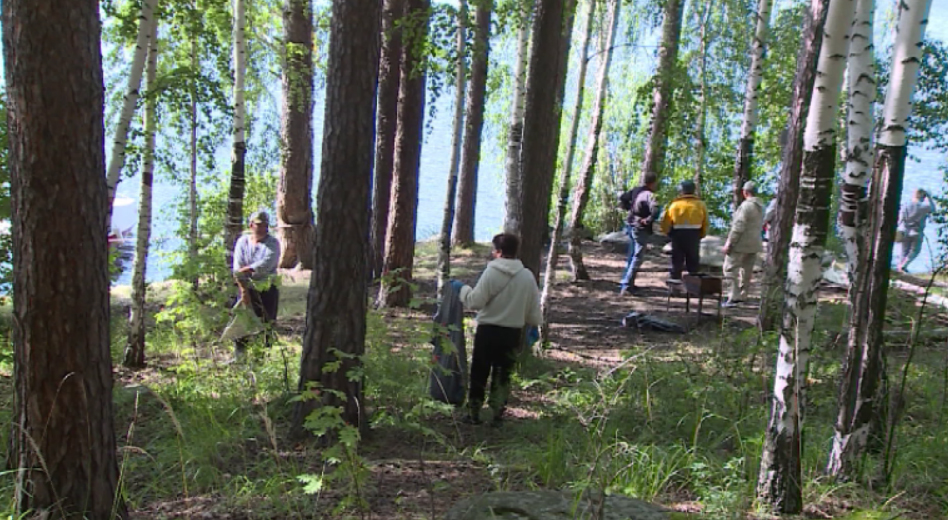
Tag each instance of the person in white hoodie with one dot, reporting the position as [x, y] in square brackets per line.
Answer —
[743, 244]
[507, 299]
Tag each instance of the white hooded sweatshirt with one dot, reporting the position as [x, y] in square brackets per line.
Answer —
[505, 295]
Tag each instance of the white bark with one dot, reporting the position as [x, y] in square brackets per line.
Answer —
[513, 208]
[136, 323]
[146, 23]
[240, 67]
[758, 48]
[460, 78]
[906, 58]
[235, 196]
[824, 105]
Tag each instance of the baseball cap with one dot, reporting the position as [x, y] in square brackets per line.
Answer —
[260, 217]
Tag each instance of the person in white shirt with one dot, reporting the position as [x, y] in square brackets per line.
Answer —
[912, 219]
[256, 257]
[507, 299]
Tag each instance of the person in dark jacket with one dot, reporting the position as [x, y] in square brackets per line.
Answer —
[643, 210]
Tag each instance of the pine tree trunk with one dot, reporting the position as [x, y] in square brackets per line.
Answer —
[852, 229]
[771, 301]
[552, 259]
[700, 131]
[588, 169]
[654, 160]
[235, 195]
[337, 303]
[745, 153]
[861, 398]
[552, 33]
[460, 84]
[294, 194]
[135, 348]
[400, 235]
[385, 125]
[513, 201]
[64, 439]
[146, 20]
[463, 232]
[781, 477]
[192, 186]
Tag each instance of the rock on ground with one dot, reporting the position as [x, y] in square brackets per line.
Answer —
[552, 505]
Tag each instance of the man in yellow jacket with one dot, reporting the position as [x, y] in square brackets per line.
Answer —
[686, 223]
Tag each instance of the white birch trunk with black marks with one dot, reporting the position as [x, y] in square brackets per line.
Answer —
[584, 184]
[780, 483]
[513, 202]
[146, 23]
[235, 195]
[852, 230]
[135, 348]
[745, 152]
[447, 219]
[192, 185]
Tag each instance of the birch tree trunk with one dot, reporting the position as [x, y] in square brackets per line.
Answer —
[334, 339]
[552, 259]
[590, 159]
[552, 34]
[399, 261]
[852, 230]
[135, 348]
[295, 191]
[861, 397]
[113, 175]
[745, 152]
[700, 132]
[771, 300]
[447, 219]
[513, 208]
[192, 185]
[63, 439]
[235, 195]
[654, 160]
[463, 232]
[781, 478]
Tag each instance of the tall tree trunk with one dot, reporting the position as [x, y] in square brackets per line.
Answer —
[474, 124]
[64, 441]
[588, 169]
[135, 348]
[781, 477]
[385, 126]
[294, 195]
[513, 208]
[861, 396]
[235, 195]
[700, 130]
[336, 307]
[552, 259]
[654, 160]
[745, 152]
[791, 163]
[552, 33]
[852, 229]
[400, 236]
[192, 186]
[146, 20]
[460, 87]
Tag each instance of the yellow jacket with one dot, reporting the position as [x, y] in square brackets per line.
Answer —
[686, 212]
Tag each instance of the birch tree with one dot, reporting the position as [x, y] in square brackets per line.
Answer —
[135, 348]
[781, 478]
[192, 183]
[513, 209]
[146, 21]
[745, 152]
[584, 184]
[851, 224]
[235, 195]
[700, 125]
[460, 87]
[552, 258]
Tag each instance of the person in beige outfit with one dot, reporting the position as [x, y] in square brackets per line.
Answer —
[744, 242]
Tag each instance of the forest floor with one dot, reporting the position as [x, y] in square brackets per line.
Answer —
[675, 418]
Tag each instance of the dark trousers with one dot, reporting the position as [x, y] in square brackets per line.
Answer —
[686, 251]
[264, 305]
[495, 350]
